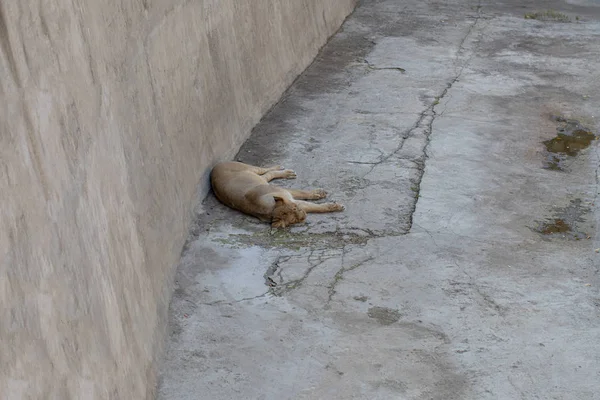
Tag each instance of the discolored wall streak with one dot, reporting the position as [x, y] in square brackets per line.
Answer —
[112, 115]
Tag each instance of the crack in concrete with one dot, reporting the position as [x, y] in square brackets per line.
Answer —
[275, 270]
[430, 115]
[363, 162]
[376, 68]
[430, 110]
[285, 287]
[464, 39]
[489, 301]
[316, 258]
[472, 283]
[424, 124]
[213, 303]
[435, 243]
[339, 275]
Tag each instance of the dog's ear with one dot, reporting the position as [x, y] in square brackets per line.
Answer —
[279, 200]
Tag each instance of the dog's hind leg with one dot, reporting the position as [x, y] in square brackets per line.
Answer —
[279, 174]
[307, 194]
[237, 166]
[262, 171]
[319, 208]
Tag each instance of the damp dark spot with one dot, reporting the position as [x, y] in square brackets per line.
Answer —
[384, 315]
[571, 138]
[557, 225]
[554, 163]
[570, 144]
[548, 15]
[567, 222]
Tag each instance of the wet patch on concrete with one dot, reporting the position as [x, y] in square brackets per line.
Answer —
[549, 16]
[384, 315]
[282, 239]
[557, 225]
[566, 222]
[571, 138]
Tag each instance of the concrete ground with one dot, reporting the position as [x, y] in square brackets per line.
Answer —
[464, 266]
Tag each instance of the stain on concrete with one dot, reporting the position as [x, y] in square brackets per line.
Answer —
[566, 222]
[557, 225]
[384, 315]
[572, 137]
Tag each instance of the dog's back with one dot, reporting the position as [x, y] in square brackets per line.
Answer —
[232, 183]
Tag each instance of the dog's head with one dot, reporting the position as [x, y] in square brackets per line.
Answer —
[286, 213]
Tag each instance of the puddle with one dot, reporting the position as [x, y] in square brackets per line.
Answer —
[557, 225]
[571, 138]
[570, 144]
[565, 222]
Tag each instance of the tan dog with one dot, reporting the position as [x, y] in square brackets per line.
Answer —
[246, 188]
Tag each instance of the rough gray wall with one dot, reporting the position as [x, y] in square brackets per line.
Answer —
[112, 113]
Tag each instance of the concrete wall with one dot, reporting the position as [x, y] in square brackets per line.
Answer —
[112, 112]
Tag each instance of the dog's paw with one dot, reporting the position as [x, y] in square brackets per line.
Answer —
[289, 174]
[319, 194]
[337, 207]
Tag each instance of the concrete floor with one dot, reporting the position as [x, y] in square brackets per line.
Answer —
[426, 119]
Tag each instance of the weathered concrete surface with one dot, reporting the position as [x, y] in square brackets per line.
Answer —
[112, 113]
[426, 119]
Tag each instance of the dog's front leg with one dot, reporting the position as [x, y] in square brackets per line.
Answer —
[319, 208]
[316, 194]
